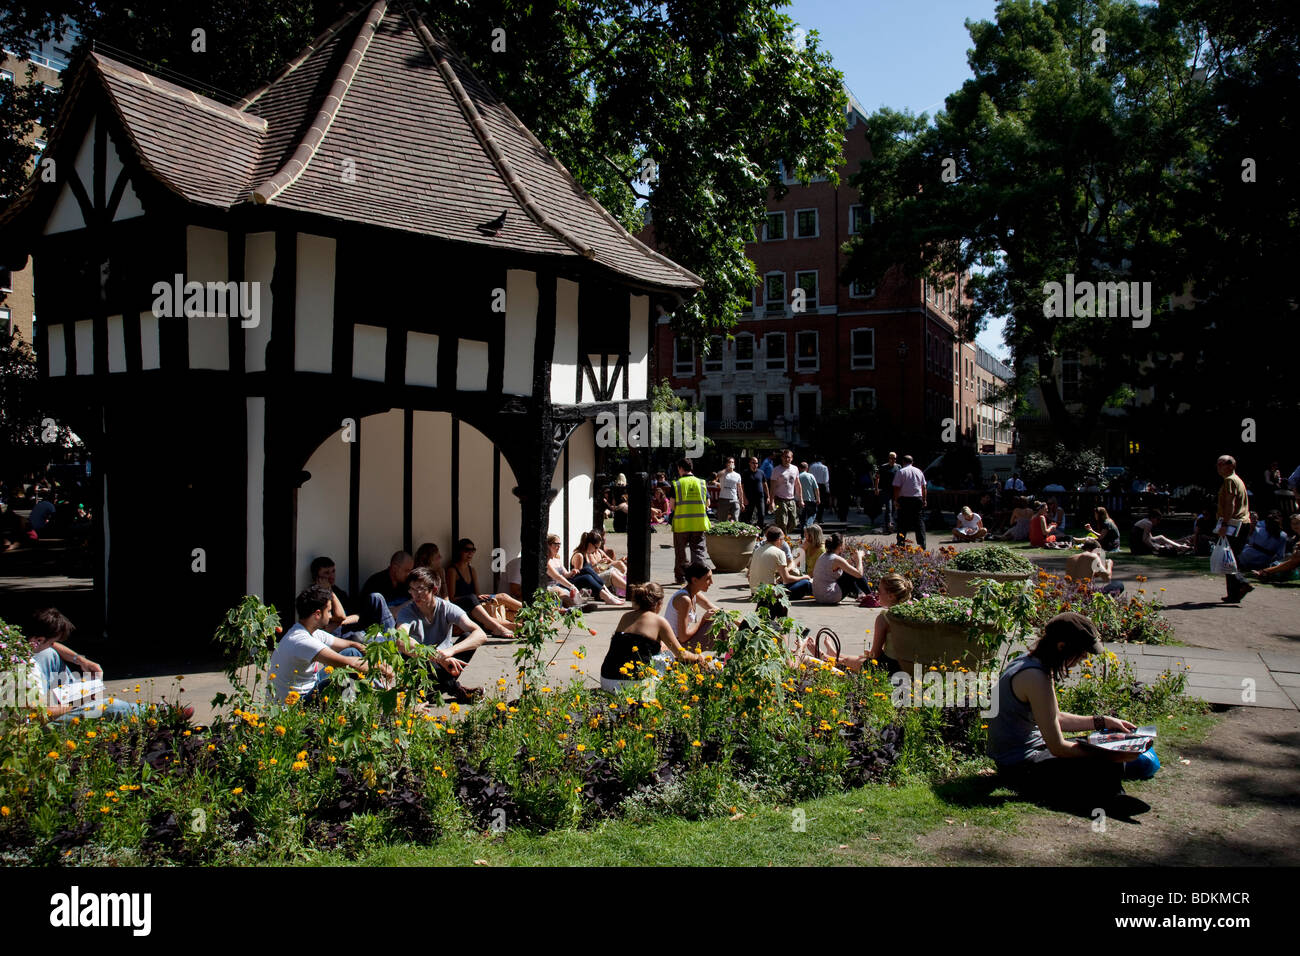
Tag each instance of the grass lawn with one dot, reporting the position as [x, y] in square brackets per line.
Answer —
[877, 824]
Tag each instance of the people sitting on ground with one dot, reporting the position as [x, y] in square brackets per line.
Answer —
[1042, 534]
[690, 612]
[434, 622]
[771, 564]
[1203, 536]
[814, 546]
[661, 507]
[299, 663]
[893, 589]
[1021, 515]
[55, 668]
[1106, 531]
[643, 639]
[592, 556]
[1273, 477]
[462, 584]
[1092, 564]
[1289, 568]
[324, 572]
[371, 609]
[1056, 514]
[969, 527]
[428, 556]
[837, 576]
[1026, 733]
[1266, 546]
[42, 516]
[391, 581]
[576, 580]
[1143, 539]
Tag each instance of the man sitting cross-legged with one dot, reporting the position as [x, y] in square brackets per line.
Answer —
[435, 622]
[307, 649]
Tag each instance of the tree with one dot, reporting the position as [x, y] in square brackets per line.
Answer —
[712, 94]
[1083, 146]
[29, 439]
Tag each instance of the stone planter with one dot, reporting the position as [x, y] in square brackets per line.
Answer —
[962, 583]
[729, 553]
[932, 644]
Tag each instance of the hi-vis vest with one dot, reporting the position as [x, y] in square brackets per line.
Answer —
[690, 505]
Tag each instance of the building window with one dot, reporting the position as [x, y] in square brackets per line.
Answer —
[808, 282]
[855, 220]
[744, 352]
[775, 406]
[862, 398]
[683, 358]
[6, 280]
[4, 322]
[713, 358]
[774, 346]
[774, 292]
[859, 291]
[744, 408]
[864, 348]
[6, 75]
[774, 228]
[1070, 390]
[713, 408]
[805, 346]
[805, 224]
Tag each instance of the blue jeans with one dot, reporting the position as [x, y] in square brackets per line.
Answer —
[374, 610]
[322, 678]
[55, 670]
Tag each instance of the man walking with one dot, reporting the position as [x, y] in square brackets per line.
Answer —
[690, 519]
[909, 499]
[809, 496]
[1233, 526]
[782, 488]
[753, 487]
[731, 496]
[885, 479]
[822, 475]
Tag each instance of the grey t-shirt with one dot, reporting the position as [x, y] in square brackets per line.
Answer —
[435, 631]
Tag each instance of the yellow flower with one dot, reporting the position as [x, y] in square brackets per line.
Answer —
[454, 708]
[211, 747]
[332, 758]
[298, 765]
[620, 743]
[581, 747]
[4, 811]
[103, 809]
[329, 668]
[237, 791]
[279, 730]
[273, 761]
[695, 743]
[292, 698]
[501, 705]
[71, 745]
[91, 735]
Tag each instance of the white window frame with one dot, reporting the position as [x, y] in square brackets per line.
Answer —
[817, 223]
[779, 303]
[812, 304]
[817, 354]
[856, 361]
[753, 352]
[678, 362]
[854, 393]
[785, 233]
[855, 291]
[767, 353]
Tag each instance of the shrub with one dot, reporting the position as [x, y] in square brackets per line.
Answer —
[734, 529]
[993, 559]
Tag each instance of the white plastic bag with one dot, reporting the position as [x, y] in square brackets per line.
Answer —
[1222, 560]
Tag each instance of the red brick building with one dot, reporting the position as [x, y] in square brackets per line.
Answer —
[893, 347]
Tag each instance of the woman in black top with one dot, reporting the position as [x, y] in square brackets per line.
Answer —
[642, 634]
[462, 587]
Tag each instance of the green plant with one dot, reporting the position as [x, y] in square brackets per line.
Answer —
[993, 558]
[247, 639]
[935, 609]
[734, 529]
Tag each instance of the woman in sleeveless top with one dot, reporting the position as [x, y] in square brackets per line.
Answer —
[690, 612]
[835, 576]
[1026, 733]
[893, 589]
[814, 546]
[591, 560]
[1020, 518]
[585, 578]
[643, 639]
[462, 586]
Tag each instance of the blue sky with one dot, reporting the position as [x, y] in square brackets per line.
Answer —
[905, 54]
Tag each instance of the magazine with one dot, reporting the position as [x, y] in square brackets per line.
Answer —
[1137, 741]
[77, 690]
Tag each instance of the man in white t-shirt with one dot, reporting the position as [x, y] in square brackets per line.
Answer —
[909, 500]
[770, 565]
[782, 488]
[435, 623]
[970, 526]
[306, 649]
[731, 497]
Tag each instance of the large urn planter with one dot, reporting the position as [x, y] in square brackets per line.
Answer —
[933, 644]
[962, 583]
[730, 545]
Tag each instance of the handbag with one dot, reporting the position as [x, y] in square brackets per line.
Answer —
[1222, 560]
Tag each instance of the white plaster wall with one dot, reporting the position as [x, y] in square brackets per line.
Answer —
[255, 418]
[422, 359]
[638, 362]
[56, 357]
[475, 500]
[521, 331]
[582, 468]
[129, 206]
[323, 509]
[314, 321]
[564, 358]
[259, 266]
[431, 481]
[206, 260]
[116, 344]
[67, 213]
[84, 332]
[511, 516]
[150, 352]
[369, 348]
[381, 505]
[472, 366]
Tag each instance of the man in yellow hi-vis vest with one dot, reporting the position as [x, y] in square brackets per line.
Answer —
[690, 519]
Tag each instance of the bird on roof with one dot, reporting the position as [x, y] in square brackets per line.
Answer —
[493, 227]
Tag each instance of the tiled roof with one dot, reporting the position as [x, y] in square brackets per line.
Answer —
[379, 122]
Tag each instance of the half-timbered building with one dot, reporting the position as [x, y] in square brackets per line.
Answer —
[418, 314]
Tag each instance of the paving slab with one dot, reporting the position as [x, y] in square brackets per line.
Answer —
[1282, 662]
[1202, 653]
[1285, 678]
